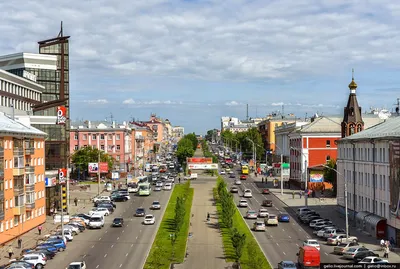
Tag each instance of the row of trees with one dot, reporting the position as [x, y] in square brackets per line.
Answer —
[85, 155]
[228, 207]
[186, 147]
[207, 153]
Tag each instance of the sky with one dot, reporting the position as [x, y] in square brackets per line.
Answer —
[193, 61]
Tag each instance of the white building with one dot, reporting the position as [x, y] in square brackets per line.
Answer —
[369, 161]
[228, 121]
[282, 136]
[178, 132]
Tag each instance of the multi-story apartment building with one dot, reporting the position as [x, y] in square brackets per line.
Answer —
[160, 133]
[143, 145]
[114, 139]
[178, 132]
[22, 183]
[282, 145]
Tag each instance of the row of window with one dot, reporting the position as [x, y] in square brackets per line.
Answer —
[95, 136]
[30, 197]
[367, 154]
[8, 144]
[367, 204]
[9, 224]
[28, 178]
[19, 162]
[367, 179]
[102, 147]
[19, 90]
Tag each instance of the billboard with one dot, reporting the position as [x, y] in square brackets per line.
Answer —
[199, 160]
[316, 176]
[93, 167]
[394, 181]
[103, 167]
[61, 115]
[50, 181]
[62, 175]
[202, 166]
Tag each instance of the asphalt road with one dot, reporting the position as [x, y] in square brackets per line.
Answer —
[279, 243]
[109, 247]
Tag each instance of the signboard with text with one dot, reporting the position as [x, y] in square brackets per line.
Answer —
[62, 175]
[316, 176]
[93, 167]
[104, 167]
[61, 115]
[202, 166]
[199, 160]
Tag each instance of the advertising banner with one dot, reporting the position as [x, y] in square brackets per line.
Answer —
[199, 160]
[316, 176]
[62, 175]
[103, 167]
[61, 115]
[115, 175]
[394, 183]
[205, 166]
[93, 167]
[50, 181]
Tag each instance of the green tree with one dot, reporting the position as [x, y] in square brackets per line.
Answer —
[82, 157]
[192, 137]
[179, 213]
[209, 135]
[238, 242]
[255, 261]
[184, 150]
[330, 174]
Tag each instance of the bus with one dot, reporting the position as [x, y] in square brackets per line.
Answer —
[144, 189]
[245, 170]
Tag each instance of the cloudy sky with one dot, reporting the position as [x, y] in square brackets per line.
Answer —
[194, 61]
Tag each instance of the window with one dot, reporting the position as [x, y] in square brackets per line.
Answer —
[101, 137]
[76, 137]
[118, 137]
[84, 137]
[328, 143]
[328, 158]
[102, 147]
[117, 158]
[94, 136]
[16, 219]
[118, 147]
[110, 137]
[76, 147]
[18, 162]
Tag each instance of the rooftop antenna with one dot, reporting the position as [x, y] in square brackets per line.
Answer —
[283, 111]
[61, 30]
[398, 107]
[111, 117]
[247, 112]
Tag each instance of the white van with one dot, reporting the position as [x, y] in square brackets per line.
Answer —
[96, 221]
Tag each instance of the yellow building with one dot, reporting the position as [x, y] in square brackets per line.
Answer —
[22, 182]
[267, 130]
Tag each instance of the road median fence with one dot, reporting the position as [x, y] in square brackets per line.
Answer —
[240, 246]
[169, 245]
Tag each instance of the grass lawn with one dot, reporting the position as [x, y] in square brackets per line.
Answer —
[252, 256]
[161, 252]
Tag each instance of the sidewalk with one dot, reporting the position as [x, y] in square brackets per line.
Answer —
[327, 208]
[204, 247]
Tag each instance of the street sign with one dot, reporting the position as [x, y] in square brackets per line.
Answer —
[115, 175]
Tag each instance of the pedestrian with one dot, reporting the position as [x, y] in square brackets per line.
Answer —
[293, 194]
[208, 216]
[300, 194]
[20, 242]
[10, 252]
[382, 243]
[179, 180]
[386, 254]
[76, 201]
[40, 229]
[262, 180]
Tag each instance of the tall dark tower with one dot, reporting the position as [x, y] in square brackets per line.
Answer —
[352, 118]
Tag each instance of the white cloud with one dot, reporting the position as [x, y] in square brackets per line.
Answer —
[129, 101]
[97, 102]
[277, 104]
[232, 103]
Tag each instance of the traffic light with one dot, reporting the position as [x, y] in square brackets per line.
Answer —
[64, 197]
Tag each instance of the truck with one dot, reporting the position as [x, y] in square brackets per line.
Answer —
[308, 258]
[193, 176]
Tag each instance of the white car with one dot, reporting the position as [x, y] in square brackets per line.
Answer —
[243, 203]
[222, 172]
[96, 222]
[238, 182]
[76, 265]
[373, 260]
[149, 219]
[75, 230]
[168, 186]
[159, 184]
[259, 226]
[157, 188]
[38, 260]
[133, 188]
[99, 211]
[101, 198]
[67, 234]
[321, 232]
[155, 205]
[312, 243]
[247, 193]
[262, 213]
[251, 214]
[271, 220]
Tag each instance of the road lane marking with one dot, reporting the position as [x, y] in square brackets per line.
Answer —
[99, 238]
[140, 231]
[290, 236]
[299, 230]
[284, 253]
[123, 231]
[277, 244]
[117, 238]
[105, 255]
[93, 246]
[120, 265]
[271, 236]
[326, 254]
[283, 230]
[112, 246]
[126, 255]
[97, 266]
[106, 231]
[308, 237]
[127, 225]
[136, 237]
[297, 245]
[131, 245]
[84, 256]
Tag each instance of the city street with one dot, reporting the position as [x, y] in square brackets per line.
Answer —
[125, 247]
[279, 243]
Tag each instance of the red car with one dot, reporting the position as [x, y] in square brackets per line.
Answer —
[243, 177]
[265, 191]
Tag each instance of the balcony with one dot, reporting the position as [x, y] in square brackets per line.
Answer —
[18, 189]
[30, 187]
[30, 205]
[29, 169]
[18, 151]
[19, 210]
[139, 137]
[1, 215]
[19, 171]
[30, 150]
[1, 151]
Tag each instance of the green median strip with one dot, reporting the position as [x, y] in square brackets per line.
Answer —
[251, 256]
[169, 246]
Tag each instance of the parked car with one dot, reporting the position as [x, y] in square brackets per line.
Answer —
[38, 260]
[373, 260]
[351, 252]
[341, 238]
[77, 265]
[58, 243]
[283, 217]
[49, 254]
[302, 210]
[312, 243]
[333, 232]
[96, 222]
[20, 265]
[101, 198]
[343, 247]
[259, 226]
[267, 203]
[362, 254]
[109, 207]
[99, 211]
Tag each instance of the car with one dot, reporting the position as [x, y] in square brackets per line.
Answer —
[247, 193]
[58, 243]
[287, 265]
[159, 184]
[101, 198]
[20, 265]
[315, 222]
[262, 213]
[251, 214]
[265, 191]
[362, 254]
[284, 217]
[234, 189]
[67, 235]
[259, 226]
[119, 198]
[133, 187]
[168, 186]
[149, 219]
[351, 252]
[118, 222]
[80, 225]
[77, 265]
[47, 246]
[243, 177]
[222, 172]
[38, 260]
[343, 247]
[333, 232]
[267, 203]
[271, 220]
[157, 188]
[373, 259]
[320, 233]
[140, 212]
[312, 243]
[238, 182]
[84, 217]
[232, 175]
[96, 222]
[155, 205]
[48, 254]
[75, 230]
[243, 203]
[230, 172]
[99, 211]
[341, 238]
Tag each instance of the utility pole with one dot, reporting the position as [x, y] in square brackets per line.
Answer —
[98, 174]
[281, 172]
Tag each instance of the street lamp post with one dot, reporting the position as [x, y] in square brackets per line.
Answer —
[345, 198]
[281, 166]
[254, 152]
[306, 175]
